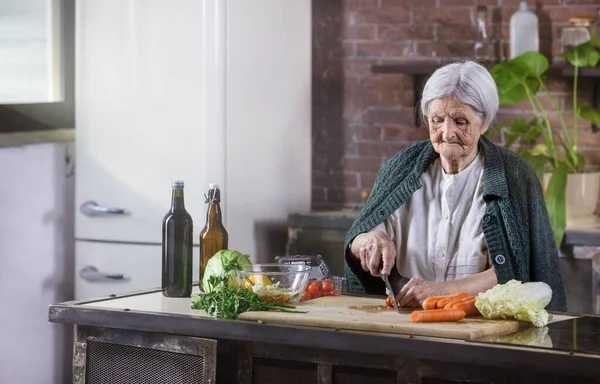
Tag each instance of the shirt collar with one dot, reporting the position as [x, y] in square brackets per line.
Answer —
[494, 176]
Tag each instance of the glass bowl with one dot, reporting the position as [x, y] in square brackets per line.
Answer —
[284, 283]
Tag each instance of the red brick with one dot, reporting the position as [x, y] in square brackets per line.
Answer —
[453, 3]
[457, 49]
[404, 133]
[356, 102]
[357, 66]
[386, 49]
[367, 179]
[578, 2]
[344, 49]
[455, 32]
[397, 97]
[563, 14]
[408, 3]
[386, 81]
[403, 116]
[395, 15]
[406, 32]
[592, 156]
[387, 150]
[318, 195]
[362, 163]
[559, 84]
[453, 15]
[354, 4]
[335, 179]
[365, 132]
[358, 32]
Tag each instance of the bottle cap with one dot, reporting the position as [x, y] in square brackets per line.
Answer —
[213, 186]
[178, 184]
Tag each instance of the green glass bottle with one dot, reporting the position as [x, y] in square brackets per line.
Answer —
[177, 247]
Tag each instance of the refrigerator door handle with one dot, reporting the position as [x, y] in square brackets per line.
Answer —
[91, 273]
[91, 208]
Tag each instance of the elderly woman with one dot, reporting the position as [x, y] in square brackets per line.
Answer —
[455, 213]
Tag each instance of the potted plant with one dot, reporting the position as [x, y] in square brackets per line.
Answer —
[553, 151]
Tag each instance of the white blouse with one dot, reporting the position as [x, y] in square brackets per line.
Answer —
[437, 231]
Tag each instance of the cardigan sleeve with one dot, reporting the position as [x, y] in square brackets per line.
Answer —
[544, 264]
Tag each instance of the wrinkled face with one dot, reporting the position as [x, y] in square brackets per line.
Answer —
[454, 128]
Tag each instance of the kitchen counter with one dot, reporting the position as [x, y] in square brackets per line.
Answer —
[567, 350]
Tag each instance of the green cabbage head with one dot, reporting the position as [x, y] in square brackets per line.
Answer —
[523, 301]
[225, 261]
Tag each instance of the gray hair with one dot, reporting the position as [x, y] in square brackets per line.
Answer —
[468, 82]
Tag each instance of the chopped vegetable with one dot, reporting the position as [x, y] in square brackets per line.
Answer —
[523, 301]
[431, 302]
[469, 307]
[435, 315]
[463, 300]
[389, 302]
[226, 301]
[216, 264]
[442, 303]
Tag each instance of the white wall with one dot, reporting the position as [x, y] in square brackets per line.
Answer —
[36, 262]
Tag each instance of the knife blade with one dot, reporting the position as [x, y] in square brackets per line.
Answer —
[389, 291]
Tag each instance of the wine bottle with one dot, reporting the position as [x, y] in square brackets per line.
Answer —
[177, 247]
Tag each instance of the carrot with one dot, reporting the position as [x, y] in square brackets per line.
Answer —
[455, 302]
[433, 315]
[431, 302]
[469, 308]
[442, 303]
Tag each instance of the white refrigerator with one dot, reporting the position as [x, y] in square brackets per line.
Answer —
[196, 90]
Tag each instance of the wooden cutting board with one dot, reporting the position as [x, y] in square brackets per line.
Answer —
[369, 314]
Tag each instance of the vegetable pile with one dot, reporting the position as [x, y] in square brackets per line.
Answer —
[523, 301]
[224, 297]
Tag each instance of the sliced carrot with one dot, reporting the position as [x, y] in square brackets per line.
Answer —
[457, 302]
[431, 302]
[434, 315]
[469, 308]
[442, 303]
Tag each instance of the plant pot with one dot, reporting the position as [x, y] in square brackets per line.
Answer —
[581, 197]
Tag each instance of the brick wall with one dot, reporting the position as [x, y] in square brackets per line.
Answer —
[361, 119]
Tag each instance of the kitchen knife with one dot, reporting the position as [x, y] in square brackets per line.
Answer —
[389, 291]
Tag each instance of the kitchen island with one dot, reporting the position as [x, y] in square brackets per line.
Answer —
[143, 337]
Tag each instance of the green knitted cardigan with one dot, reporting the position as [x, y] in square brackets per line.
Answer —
[516, 225]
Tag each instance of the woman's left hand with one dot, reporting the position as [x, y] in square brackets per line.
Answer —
[416, 291]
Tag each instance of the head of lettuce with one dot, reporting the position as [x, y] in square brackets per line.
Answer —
[226, 261]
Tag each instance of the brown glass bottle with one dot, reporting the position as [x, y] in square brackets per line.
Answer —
[213, 236]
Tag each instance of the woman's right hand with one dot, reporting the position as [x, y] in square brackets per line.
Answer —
[376, 252]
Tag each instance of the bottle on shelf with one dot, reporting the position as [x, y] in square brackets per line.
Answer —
[524, 35]
[177, 247]
[214, 236]
[484, 49]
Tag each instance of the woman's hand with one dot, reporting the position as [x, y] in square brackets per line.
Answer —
[376, 252]
[417, 290]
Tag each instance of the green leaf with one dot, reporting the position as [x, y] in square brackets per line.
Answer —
[555, 202]
[590, 114]
[538, 163]
[534, 131]
[536, 63]
[540, 150]
[584, 54]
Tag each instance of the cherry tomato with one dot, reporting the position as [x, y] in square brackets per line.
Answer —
[313, 289]
[327, 286]
[389, 302]
[306, 296]
[328, 293]
[318, 284]
[334, 292]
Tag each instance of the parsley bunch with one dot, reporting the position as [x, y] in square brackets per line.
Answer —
[225, 301]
